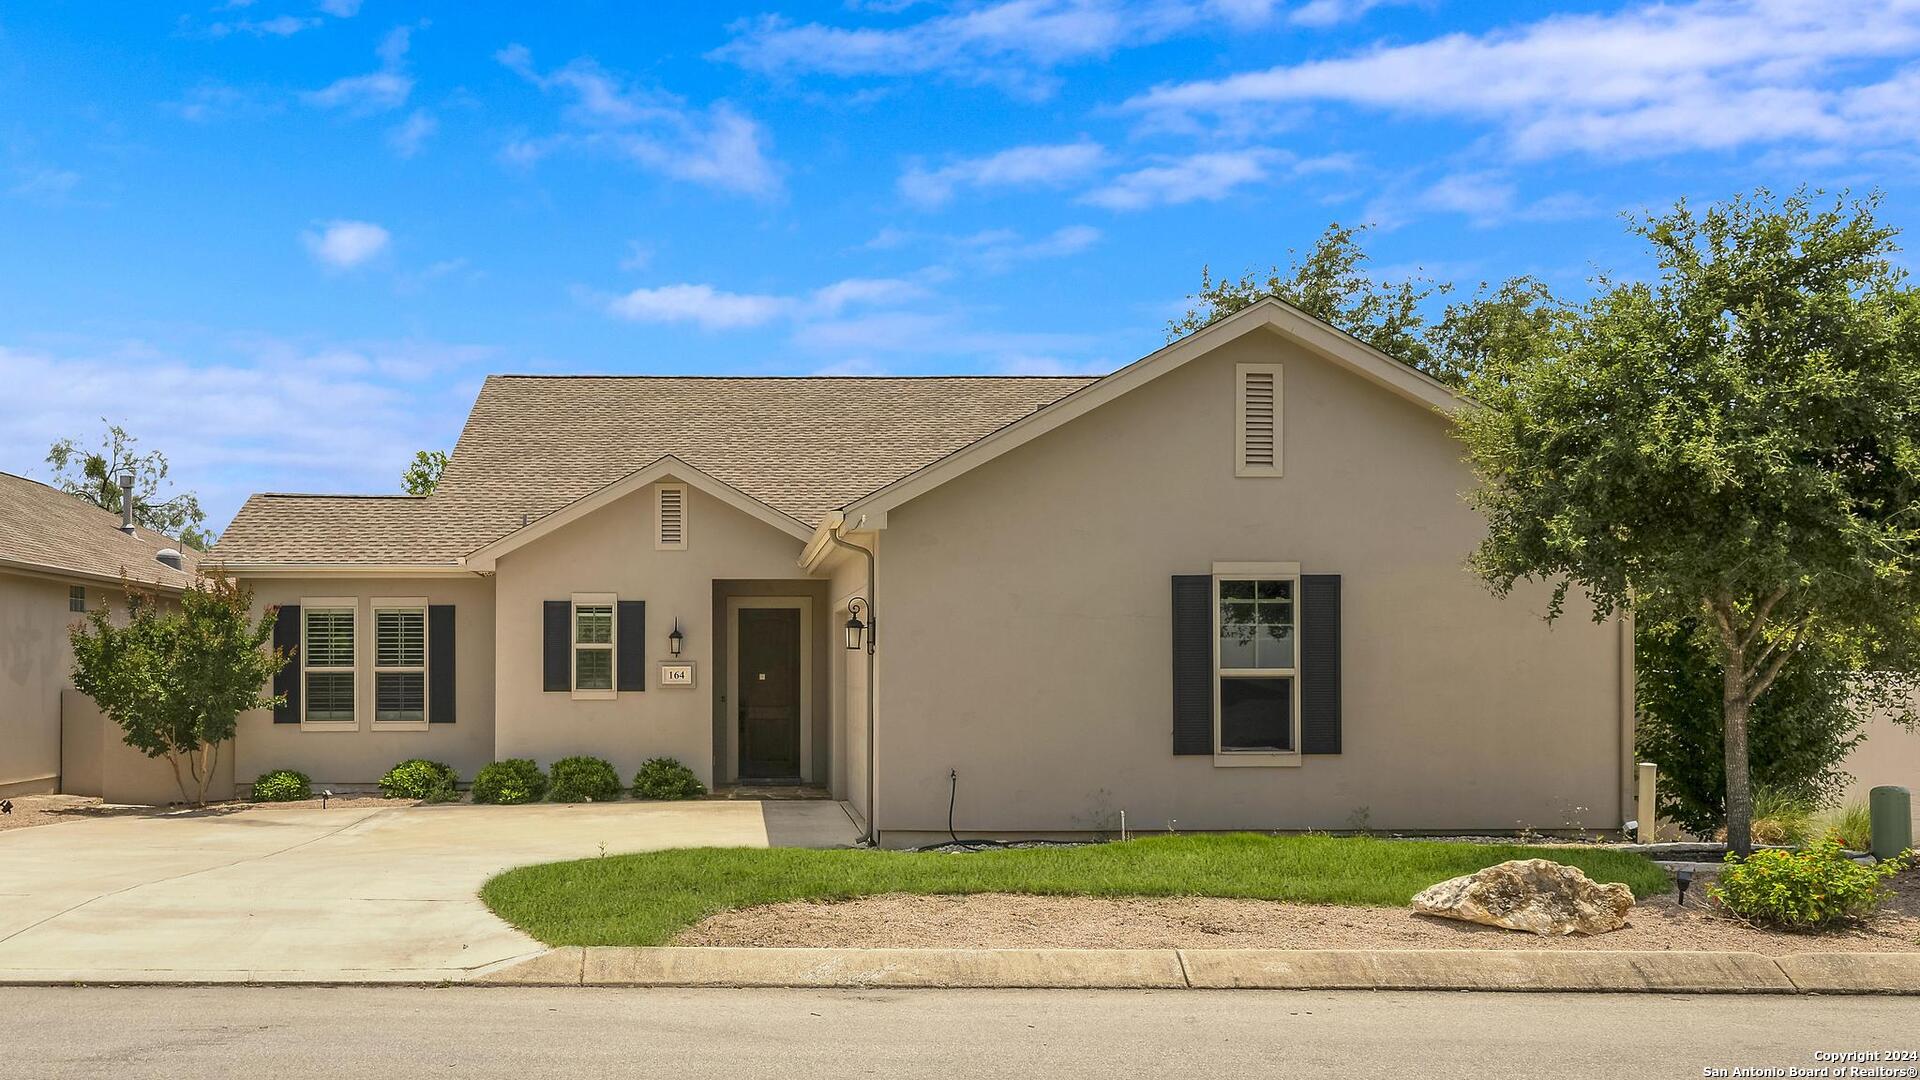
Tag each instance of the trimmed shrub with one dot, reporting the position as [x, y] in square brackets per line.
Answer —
[509, 782]
[282, 785]
[1810, 889]
[582, 779]
[417, 778]
[666, 778]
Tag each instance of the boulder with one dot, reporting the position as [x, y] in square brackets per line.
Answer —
[1537, 895]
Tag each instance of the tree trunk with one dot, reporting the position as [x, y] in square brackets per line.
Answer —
[179, 781]
[1734, 711]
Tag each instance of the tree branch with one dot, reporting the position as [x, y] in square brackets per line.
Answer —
[1760, 619]
[1780, 659]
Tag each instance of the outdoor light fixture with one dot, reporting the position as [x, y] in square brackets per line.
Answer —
[1683, 877]
[855, 628]
[675, 639]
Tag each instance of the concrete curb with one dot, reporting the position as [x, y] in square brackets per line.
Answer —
[1537, 970]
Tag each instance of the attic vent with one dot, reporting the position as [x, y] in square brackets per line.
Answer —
[1257, 412]
[168, 556]
[671, 516]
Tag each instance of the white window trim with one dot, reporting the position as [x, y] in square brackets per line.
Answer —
[659, 493]
[400, 603]
[1240, 466]
[326, 603]
[610, 601]
[1234, 759]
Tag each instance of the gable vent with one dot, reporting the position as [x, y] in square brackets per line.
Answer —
[671, 516]
[1258, 403]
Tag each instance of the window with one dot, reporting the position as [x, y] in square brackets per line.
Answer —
[1257, 419]
[593, 644]
[400, 661]
[76, 598]
[1256, 662]
[670, 505]
[326, 660]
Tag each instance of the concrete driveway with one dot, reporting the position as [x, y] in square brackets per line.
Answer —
[361, 894]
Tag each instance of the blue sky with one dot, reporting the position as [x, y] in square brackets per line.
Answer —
[283, 240]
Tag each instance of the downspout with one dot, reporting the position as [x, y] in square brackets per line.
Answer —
[873, 625]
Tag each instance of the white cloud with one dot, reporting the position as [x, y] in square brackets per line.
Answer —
[341, 9]
[705, 306]
[342, 245]
[1207, 176]
[832, 298]
[1018, 167]
[718, 146]
[1484, 198]
[1000, 248]
[278, 26]
[412, 133]
[377, 91]
[43, 184]
[1012, 44]
[1706, 75]
[1321, 13]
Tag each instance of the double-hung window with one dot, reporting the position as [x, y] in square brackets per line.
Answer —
[76, 598]
[593, 645]
[326, 660]
[400, 661]
[1256, 658]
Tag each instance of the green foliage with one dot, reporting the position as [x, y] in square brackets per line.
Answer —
[417, 778]
[1810, 889]
[1851, 825]
[1799, 732]
[176, 677]
[510, 782]
[282, 785]
[645, 899]
[424, 474]
[583, 779]
[666, 778]
[94, 475]
[1739, 441]
[1780, 818]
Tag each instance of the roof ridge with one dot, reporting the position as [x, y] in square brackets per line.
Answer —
[331, 495]
[783, 378]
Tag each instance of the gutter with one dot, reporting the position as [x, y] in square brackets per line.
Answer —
[873, 730]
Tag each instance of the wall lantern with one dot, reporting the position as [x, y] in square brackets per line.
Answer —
[675, 639]
[855, 628]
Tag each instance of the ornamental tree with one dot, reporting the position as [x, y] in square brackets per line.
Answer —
[175, 678]
[1740, 439]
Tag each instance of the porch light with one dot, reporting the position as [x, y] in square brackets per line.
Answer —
[675, 639]
[855, 628]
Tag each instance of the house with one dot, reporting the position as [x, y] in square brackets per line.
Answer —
[1223, 587]
[60, 557]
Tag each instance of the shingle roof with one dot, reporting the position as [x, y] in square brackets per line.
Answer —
[533, 444]
[45, 529]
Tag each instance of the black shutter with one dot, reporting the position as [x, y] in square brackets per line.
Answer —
[286, 638]
[1192, 664]
[631, 665]
[440, 682]
[1320, 663]
[556, 641]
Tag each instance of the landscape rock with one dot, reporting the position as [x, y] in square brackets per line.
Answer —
[1536, 895]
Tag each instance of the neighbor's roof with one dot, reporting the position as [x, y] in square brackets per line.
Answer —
[535, 443]
[47, 530]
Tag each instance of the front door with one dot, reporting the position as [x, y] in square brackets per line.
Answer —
[768, 672]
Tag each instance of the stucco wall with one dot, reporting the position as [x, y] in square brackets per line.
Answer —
[846, 579]
[1026, 617]
[612, 550]
[35, 662]
[1890, 755]
[99, 762]
[360, 756]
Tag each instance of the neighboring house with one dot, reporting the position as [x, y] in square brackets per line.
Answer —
[60, 557]
[1221, 588]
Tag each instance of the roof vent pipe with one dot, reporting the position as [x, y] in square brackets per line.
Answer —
[126, 503]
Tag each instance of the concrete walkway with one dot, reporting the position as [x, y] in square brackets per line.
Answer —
[376, 895]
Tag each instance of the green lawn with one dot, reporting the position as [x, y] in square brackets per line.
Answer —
[645, 899]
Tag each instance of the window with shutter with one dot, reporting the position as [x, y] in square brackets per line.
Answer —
[595, 638]
[327, 661]
[1257, 405]
[400, 661]
[670, 505]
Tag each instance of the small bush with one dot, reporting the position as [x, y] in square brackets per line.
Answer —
[1779, 818]
[665, 778]
[510, 782]
[1852, 825]
[1813, 888]
[583, 779]
[282, 785]
[417, 778]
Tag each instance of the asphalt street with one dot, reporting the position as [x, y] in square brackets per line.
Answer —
[211, 1032]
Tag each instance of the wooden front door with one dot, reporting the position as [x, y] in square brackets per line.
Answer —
[768, 672]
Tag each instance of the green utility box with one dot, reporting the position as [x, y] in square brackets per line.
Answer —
[1892, 811]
